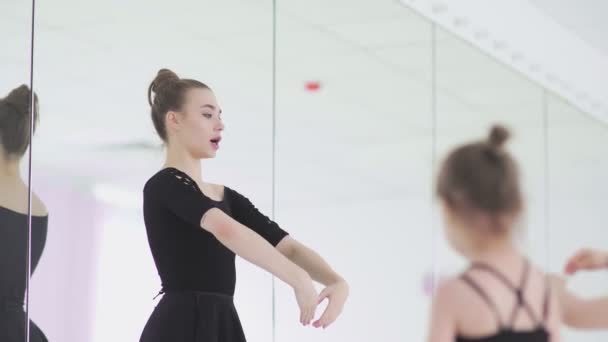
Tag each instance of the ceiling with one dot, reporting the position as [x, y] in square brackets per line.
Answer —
[94, 61]
[542, 40]
[585, 18]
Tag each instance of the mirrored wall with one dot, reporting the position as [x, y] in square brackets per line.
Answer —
[23, 216]
[336, 118]
[354, 152]
[100, 148]
[474, 92]
[576, 196]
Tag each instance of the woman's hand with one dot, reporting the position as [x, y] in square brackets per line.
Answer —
[306, 295]
[337, 294]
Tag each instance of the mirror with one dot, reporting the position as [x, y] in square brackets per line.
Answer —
[354, 151]
[21, 243]
[474, 92]
[577, 163]
[98, 279]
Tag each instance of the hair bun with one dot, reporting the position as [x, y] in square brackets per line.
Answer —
[19, 100]
[498, 135]
[164, 78]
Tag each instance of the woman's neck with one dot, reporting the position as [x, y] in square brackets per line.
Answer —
[182, 160]
[9, 169]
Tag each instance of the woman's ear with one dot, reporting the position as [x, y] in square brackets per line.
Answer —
[172, 120]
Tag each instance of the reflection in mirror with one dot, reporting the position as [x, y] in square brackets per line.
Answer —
[98, 279]
[354, 143]
[577, 145]
[14, 141]
[16, 118]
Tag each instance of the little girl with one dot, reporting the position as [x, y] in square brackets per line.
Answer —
[502, 296]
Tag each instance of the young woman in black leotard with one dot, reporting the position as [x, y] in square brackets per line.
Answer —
[14, 141]
[501, 297]
[195, 229]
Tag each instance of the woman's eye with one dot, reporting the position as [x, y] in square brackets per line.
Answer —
[208, 116]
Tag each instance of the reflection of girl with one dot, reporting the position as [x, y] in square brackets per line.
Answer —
[502, 296]
[14, 141]
[196, 228]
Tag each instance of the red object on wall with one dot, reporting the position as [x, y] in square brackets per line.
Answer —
[313, 86]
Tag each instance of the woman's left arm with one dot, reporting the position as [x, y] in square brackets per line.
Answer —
[336, 288]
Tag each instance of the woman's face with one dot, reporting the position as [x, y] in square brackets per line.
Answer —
[199, 125]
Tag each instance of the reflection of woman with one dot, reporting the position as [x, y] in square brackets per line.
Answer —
[502, 296]
[14, 140]
[196, 228]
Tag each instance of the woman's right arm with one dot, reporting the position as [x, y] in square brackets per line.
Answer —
[175, 191]
[247, 244]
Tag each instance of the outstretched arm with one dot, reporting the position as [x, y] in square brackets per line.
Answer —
[336, 290]
[583, 313]
[252, 247]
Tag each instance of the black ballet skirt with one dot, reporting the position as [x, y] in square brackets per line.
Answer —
[197, 272]
[13, 258]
